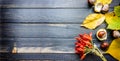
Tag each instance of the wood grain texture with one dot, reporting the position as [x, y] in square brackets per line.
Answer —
[38, 45]
[54, 57]
[48, 3]
[42, 45]
[44, 30]
[45, 37]
[46, 15]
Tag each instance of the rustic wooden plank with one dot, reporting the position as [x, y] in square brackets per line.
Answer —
[40, 56]
[0, 15]
[50, 49]
[27, 60]
[45, 15]
[35, 60]
[38, 45]
[47, 3]
[54, 57]
[4, 49]
[44, 30]
[42, 45]
[5, 45]
[44, 3]
[38, 42]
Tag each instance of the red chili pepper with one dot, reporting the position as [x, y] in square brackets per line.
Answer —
[78, 39]
[87, 43]
[83, 41]
[80, 49]
[86, 37]
[90, 34]
[82, 57]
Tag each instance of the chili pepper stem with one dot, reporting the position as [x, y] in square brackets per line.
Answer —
[97, 52]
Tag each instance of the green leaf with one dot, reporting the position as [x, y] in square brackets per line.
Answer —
[112, 21]
[117, 10]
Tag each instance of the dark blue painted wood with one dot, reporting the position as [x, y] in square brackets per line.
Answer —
[56, 44]
[45, 15]
[65, 45]
[48, 3]
[45, 30]
[37, 22]
[44, 3]
[39, 42]
[55, 57]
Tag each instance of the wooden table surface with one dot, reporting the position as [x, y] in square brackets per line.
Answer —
[44, 30]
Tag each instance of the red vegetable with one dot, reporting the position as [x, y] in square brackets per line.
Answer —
[83, 56]
[83, 42]
[84, 45]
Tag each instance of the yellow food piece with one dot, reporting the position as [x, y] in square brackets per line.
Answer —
[93, 20]
[104, 1]
[114, 49]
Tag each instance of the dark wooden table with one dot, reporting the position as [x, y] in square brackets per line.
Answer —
[44, 30]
